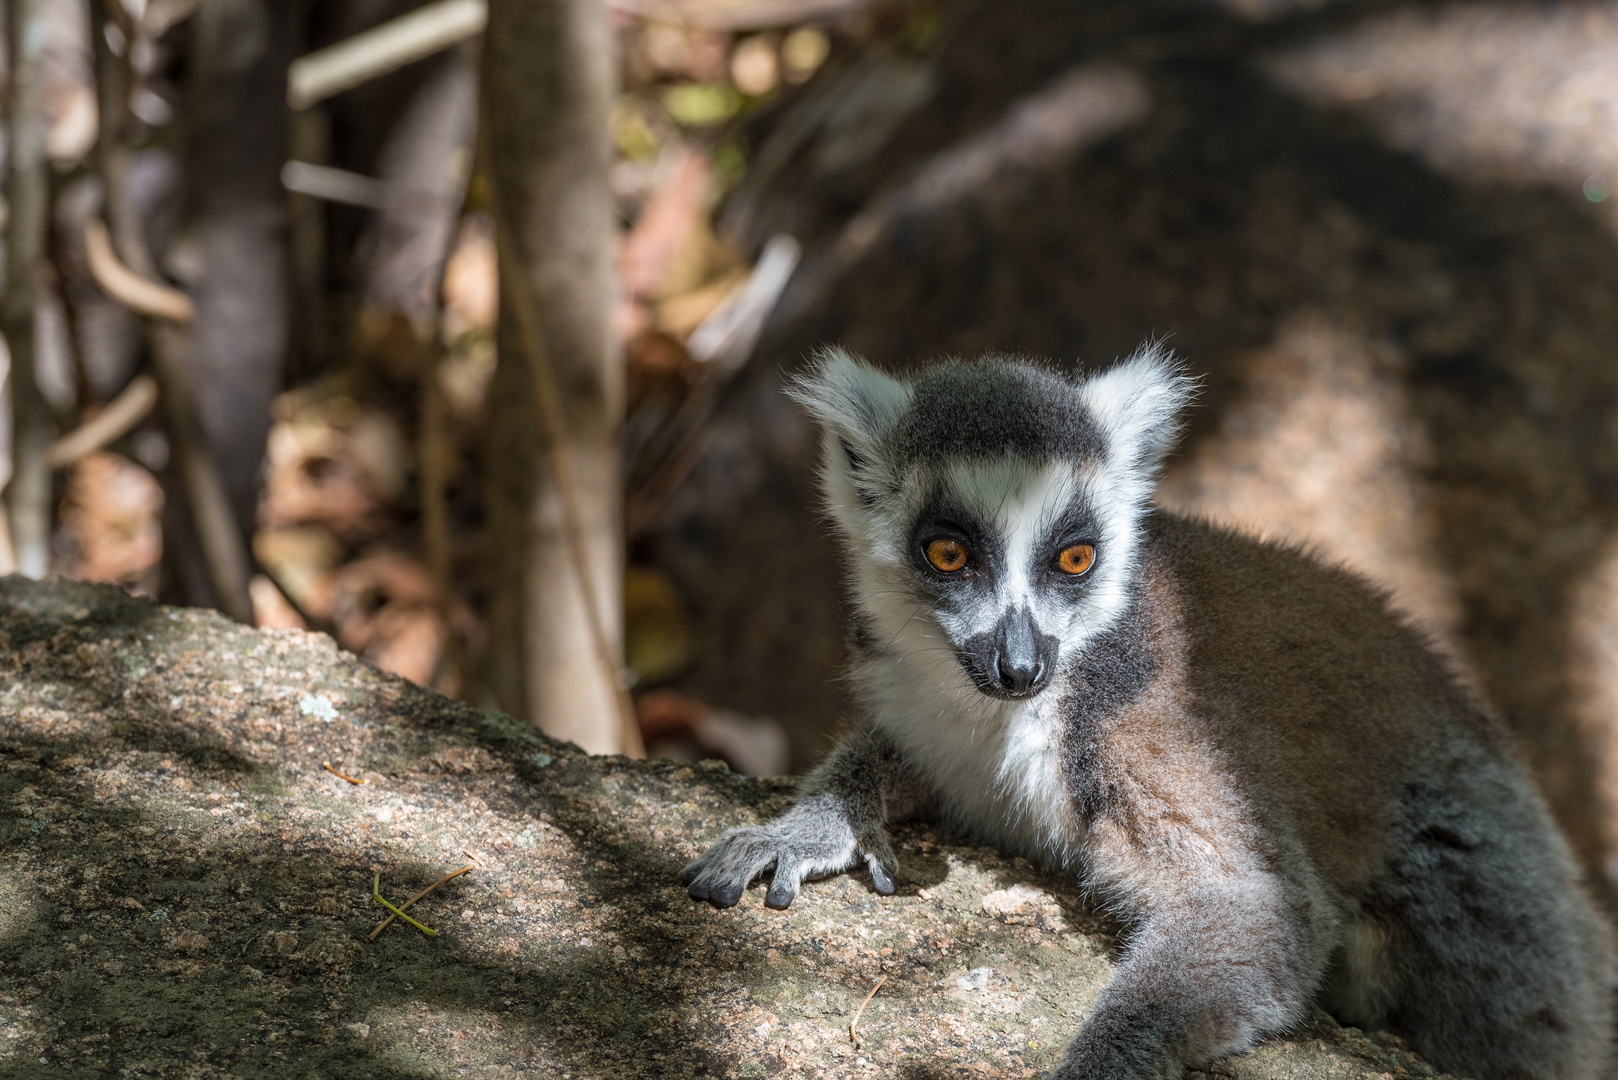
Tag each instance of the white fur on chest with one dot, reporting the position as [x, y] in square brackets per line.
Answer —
[994, 766]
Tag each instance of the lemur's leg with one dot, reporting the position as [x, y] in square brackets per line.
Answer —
[841, 817]
[1206, 975]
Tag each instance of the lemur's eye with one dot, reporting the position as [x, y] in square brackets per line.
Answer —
[1076, 559]
[946, 555]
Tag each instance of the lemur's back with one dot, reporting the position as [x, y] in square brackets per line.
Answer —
[1301, 671]
[1462, 923]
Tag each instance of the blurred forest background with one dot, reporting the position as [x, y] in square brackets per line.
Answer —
[457, 330]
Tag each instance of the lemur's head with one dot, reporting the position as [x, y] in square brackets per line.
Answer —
[994, 500]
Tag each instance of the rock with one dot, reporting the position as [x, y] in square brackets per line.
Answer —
[186, 890]
[1012, 900]
[976, 979]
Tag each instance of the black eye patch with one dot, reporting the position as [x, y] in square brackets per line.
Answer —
[942, 520]
[1077, 525]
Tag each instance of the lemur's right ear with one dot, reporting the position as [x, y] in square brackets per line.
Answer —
[857, 407]
[1138, 402]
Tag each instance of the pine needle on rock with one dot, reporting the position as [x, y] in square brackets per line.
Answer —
[376, 894]
[399, 911]
[859, 1012]
[327, 766]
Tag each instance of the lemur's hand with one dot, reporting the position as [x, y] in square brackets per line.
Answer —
[814, 839]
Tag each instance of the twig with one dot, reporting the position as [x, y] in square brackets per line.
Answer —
[855, 1039]
[376, 894]
[737, 18]
[553, 420]
[327, 766]
[399, 911]
[377, 51]
[277, 578]
[334, 185]
[139, 294]
[113, 422]
[28, 496]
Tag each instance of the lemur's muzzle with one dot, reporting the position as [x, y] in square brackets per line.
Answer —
[1014, 660]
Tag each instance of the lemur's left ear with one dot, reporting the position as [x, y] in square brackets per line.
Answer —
[1137, 402]
[858, 407]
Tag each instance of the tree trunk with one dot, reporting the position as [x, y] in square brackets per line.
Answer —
[28, 496]
[548, 84]
[232, 252]
[204, 539]
[424, 164]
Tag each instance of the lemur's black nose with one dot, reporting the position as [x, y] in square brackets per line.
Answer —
[1013, 660]
[1019, 679]
[1017, 662]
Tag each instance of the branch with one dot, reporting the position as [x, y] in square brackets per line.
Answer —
[722, 344]
[140, 295]
[434, 451]
[334, 185]
[363, 57]
[113, 422]
[737, 18]
[727, 336]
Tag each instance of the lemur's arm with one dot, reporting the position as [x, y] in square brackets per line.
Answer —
[1210, 970]
[841, 817]
[1196, 985]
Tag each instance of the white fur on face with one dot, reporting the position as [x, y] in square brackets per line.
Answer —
[990, 760]
[1021, 503]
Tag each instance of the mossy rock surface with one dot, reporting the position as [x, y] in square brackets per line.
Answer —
[185, 891]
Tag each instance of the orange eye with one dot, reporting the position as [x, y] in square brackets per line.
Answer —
[1076, 559]
[946, 555]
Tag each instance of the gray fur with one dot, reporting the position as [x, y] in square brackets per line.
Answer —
[1241, 752]
[839, 822]
[993, 407]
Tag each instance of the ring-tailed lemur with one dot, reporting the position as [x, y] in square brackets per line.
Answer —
[1239, 750]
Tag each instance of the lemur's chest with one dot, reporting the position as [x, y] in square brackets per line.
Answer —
[995, 769]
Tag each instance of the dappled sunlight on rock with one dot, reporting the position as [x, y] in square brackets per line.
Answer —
[1484, 91]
